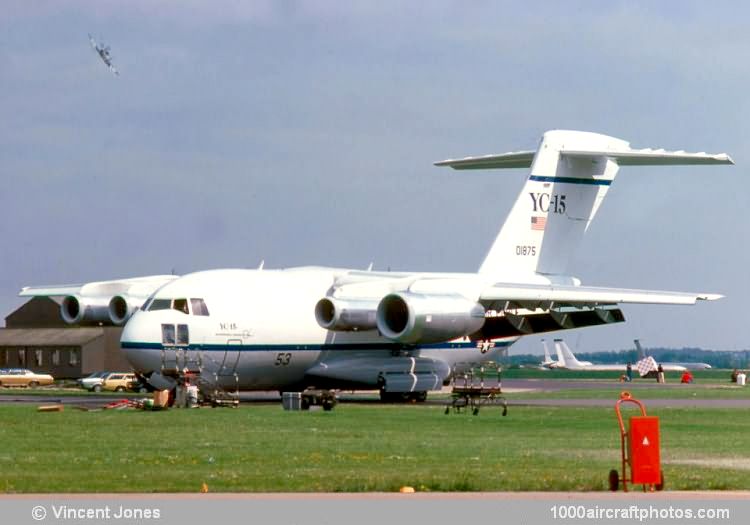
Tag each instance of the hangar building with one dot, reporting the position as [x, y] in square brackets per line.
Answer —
[36, 337]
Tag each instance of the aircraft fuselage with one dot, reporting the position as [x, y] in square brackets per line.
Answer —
[261, 326]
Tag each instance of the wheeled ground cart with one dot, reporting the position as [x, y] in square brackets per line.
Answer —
[639, 443]
[474, 387]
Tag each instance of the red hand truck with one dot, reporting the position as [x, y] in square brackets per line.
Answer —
[640, 450]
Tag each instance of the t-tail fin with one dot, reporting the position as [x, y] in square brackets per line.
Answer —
[567, 355]
[560, 357]
[639, 349]
[571, 172]
[547, 357]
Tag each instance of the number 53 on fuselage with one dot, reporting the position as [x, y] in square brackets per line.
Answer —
[400, 332]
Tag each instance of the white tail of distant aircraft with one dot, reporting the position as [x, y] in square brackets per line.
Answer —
[547, 358]
[398, 331]
[572, 363]
[548, 361]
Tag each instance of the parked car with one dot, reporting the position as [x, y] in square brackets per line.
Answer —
[24, 377]
[92, 381]
[119, 382]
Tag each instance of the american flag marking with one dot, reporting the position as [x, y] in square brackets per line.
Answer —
[538, 223]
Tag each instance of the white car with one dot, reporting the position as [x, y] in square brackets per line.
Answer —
[94, 380]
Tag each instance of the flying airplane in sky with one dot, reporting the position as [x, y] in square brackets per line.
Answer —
[687, 365]
[104, 54]
[572, 363]
[400, 332]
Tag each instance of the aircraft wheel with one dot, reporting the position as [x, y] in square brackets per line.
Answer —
[420, 397]
[614, 480]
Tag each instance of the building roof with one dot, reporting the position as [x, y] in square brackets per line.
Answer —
[37, 312]
[48, 336]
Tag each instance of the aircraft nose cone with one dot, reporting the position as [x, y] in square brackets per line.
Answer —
[136, 342]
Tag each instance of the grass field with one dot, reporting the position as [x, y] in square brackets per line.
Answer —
[612, 391]
[356, 447]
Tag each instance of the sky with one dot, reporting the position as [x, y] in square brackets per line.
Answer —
[303, 133]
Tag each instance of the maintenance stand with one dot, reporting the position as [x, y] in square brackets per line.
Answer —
[476, 386]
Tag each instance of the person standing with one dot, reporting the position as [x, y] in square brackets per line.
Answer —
[629, 372]
[660, 374]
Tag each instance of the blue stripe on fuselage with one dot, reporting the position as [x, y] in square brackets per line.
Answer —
[571, 180]
[310, 347]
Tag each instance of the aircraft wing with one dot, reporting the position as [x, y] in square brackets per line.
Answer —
[142, 286]
[102, 302]
[588, 295]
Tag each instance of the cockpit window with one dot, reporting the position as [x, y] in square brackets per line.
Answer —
[199, 307]
[160, 304]
[181, 305]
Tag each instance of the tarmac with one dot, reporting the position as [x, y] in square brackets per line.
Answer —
[547, 386]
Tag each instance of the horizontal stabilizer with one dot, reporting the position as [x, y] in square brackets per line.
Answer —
[515, 159]
[589, 295]
[621, 153]
[652, 157]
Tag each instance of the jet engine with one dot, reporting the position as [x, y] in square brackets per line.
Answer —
[418, 318]
[120, 309]
[342, 315]
[109, 311]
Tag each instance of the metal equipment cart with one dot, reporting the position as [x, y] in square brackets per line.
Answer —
[476, 386]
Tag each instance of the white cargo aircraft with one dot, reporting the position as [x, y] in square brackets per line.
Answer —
[400, 332]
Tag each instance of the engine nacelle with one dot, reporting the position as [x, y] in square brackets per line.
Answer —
[417, 318]
[349, 316]
[120, 309]
[77, 310]
[110, 311]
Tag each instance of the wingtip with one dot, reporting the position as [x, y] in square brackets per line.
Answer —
[710, 297]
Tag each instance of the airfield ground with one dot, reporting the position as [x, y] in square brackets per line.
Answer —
[366, 446]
